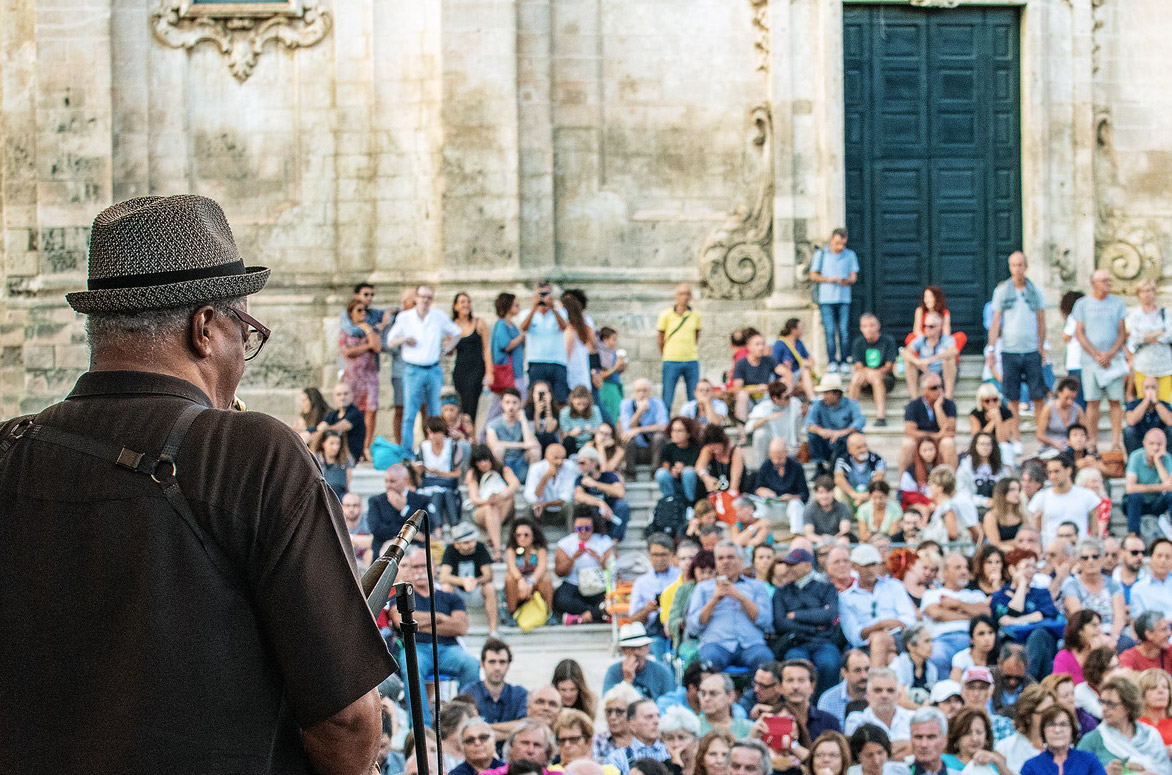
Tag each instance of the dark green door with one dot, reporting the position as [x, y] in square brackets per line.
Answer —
[933, 157]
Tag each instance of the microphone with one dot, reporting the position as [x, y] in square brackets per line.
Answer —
[377, 581]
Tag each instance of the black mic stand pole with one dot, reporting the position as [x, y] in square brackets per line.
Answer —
[405, 602]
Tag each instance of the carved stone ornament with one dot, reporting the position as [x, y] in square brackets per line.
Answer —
[1061, 264]
[736, 261]
[240, 30]
[761, 26]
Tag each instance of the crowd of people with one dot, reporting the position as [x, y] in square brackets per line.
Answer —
[795, 605]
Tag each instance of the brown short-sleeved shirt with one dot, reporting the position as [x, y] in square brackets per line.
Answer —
[125, 649]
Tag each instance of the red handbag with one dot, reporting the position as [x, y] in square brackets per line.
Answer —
[503, 377]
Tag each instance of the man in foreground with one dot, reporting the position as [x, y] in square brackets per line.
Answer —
[233, 525]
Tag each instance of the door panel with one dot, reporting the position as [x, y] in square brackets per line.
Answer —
[933, 156]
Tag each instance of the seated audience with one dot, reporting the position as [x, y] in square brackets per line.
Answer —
[778, 418]
[1064, 501]
[337, 467]
[477, 743]
[1148, 485]
[611, 454]
[531, 741]
[929, 416]
[764, 696]
[948, 609]
[604, 490]
[387, 513]
[704, 408]
[1058, 414]
[752, 374]
[1131, 564]
[871, 748]
[1027, 741]
[1120, 737]
[782, 477]
[748, 529]
[439, 461]
[570, 681]
[1082, 633]
[716, 703]
[679, 729]
[913, 478]
[542, 414]
[643, 721]
[884, 711]
[466, 568]
[1027, 613]
[982, 650]
[1091, 589]
[991, 416]
[825, 516]
[721, 465]
[977, 693]
[805, 618]
[855, 471]
[347, 420]
[677, 476]
[731, 614]
[501, 705]
[954, 517]
[837, 563]
[851, 690]
[872, 358]
[649, 677]
[874, 608]
[1142, 414]
[702, 568]
[988, 570]
[511, 438]
[580, 559]
[642, 424]
[980, 470]
[578, 419]
[1152, 650]
[617, 734]
[1059, 731]
[790, 351]
[549, 486]
[492, 492]
[879, 514]
[830, 420]
[917, 674]
[644, 606]
[311, 410]
[1010, 678]
[930, 353]
[1153, 592]
[526, 566]
[359, 531]
[1155, 687]
[573, 731]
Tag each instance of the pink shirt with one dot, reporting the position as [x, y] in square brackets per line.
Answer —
[1065, 662]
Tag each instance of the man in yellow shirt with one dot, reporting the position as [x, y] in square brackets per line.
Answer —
[679, 331]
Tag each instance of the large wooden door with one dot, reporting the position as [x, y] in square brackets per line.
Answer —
[933, 156]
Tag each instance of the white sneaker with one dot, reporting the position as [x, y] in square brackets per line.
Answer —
[1165, 525]
[832, 368]
[1018, 449]
[1026, 410]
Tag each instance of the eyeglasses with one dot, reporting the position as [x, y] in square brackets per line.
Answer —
[1058, 725]
[483, 738]
[1089, 556]
[255, 334]
[758, 685]
[1110, 703]
[583, 529]
[991, 401]
[616, 711]
[571, 740]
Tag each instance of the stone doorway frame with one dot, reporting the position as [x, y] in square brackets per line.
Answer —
[1059, 209]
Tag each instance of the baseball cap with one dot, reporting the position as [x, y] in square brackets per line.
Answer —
[798, 556]
[977, 673]
[865, 554]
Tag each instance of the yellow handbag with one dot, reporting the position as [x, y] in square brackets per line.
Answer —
[532, 613]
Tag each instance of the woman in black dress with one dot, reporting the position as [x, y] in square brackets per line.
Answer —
[469, 374]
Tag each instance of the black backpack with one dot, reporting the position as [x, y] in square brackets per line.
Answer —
[670, 516]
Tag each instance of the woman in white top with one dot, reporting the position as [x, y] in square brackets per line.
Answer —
[871, 748]
[1149, 332]
[579, 560]
[440, 461]
[579, 342]
[954, 517]
[980, 470]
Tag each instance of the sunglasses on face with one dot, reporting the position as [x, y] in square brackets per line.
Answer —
[481, 738]
[583, 529]
[1087, 557]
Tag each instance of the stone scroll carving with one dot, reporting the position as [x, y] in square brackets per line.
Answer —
[736, 261]
[240, 30]
[1124, 246]
[761, 26]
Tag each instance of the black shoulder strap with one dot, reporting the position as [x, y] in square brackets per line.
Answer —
[161, 469]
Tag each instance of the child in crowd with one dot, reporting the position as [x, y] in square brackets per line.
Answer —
[612, 363]
[466, 567]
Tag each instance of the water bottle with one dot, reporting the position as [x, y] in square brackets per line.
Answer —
[899, 366]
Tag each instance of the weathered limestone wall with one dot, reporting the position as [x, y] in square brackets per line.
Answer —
[481, 144]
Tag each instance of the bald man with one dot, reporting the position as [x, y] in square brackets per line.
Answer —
[642, 425]
[1099, 328]
[1019, 319]
[1148, 485]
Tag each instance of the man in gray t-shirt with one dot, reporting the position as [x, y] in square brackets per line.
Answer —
[1019, 320]
[1099, 329]
[510, 438]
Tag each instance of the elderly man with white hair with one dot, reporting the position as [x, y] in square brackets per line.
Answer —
[929, 733]
[884, 711]
[532, 740]
[679, 729]
[642, 425]
[932, 351]
[478, 744]
[783, 478]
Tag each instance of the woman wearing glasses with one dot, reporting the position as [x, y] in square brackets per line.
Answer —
[617, 733]
[1121, 738]
[580, 560]
[992, 416]
[573, 732]
[1090, 590]
[478, 744]
[361, 367]
[1060, 755]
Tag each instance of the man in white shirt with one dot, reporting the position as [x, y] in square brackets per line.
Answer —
[705, 409]
[550, 483]
[424, 334]
[948, 610]
[884, 711]
[1062, 502]
[779, 417]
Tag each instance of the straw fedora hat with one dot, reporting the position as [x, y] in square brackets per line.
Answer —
[157, 252]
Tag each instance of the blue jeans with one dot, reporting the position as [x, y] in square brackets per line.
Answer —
[453, 661]
[554, 375]
[519, 466]
[750, 658]
[672, 371]
[1022, 369]
[827, 660]
[669, 486]
[1080, 399]
[944, 647]
[422, 385]
[622, 513]
[1139, 503]
[835, 318]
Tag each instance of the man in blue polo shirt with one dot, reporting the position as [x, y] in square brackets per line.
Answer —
[501, 704]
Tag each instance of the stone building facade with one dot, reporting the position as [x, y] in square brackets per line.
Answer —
[620, 146]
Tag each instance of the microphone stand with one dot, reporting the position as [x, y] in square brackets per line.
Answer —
[405, 602]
